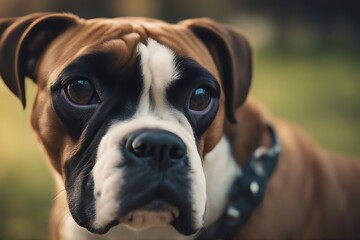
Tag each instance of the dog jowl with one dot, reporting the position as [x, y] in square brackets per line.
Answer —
[126, 110]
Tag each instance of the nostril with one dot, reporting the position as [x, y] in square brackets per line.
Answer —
[138, 149]
[176, 152]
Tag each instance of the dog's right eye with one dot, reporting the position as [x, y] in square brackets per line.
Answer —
[200, 99]
[81, 92]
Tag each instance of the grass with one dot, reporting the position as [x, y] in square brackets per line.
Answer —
[318, 92]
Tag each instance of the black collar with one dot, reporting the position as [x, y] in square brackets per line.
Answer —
[247, 191]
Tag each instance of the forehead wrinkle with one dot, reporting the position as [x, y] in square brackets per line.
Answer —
[121, 48]
[94, 37]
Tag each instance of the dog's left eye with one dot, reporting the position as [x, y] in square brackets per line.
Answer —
[200, 99]
[81, 92]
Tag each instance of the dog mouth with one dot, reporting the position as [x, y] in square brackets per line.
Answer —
[155, 213]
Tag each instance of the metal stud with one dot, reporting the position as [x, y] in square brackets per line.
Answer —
[254, 187]
[233, 213]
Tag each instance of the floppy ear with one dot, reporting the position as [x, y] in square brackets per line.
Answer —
[22, 41]
[232, 55]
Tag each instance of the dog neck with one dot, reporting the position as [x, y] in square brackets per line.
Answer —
[250, 131]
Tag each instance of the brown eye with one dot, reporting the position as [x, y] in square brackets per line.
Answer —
[200, 99]
[81, 92]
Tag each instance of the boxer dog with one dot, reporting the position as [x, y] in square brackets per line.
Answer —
[146, 127]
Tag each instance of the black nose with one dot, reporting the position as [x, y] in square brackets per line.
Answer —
[161, 148]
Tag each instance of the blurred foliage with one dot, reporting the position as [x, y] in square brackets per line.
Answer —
[319, 92]
[306, 70]
[25, 184]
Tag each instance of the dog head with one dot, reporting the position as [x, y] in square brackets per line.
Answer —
[126, 110]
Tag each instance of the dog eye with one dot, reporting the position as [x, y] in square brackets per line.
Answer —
[200, 99]
[81, 92]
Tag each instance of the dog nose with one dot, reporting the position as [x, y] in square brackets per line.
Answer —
[160, 147]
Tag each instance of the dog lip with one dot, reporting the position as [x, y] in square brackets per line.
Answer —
[102, 230]
[155, 213]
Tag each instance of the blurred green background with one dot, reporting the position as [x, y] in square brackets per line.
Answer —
[306, 69]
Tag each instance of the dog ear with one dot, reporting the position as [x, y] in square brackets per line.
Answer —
[22, 41]
[232, 54]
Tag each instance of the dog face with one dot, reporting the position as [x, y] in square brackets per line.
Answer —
[127, 109]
